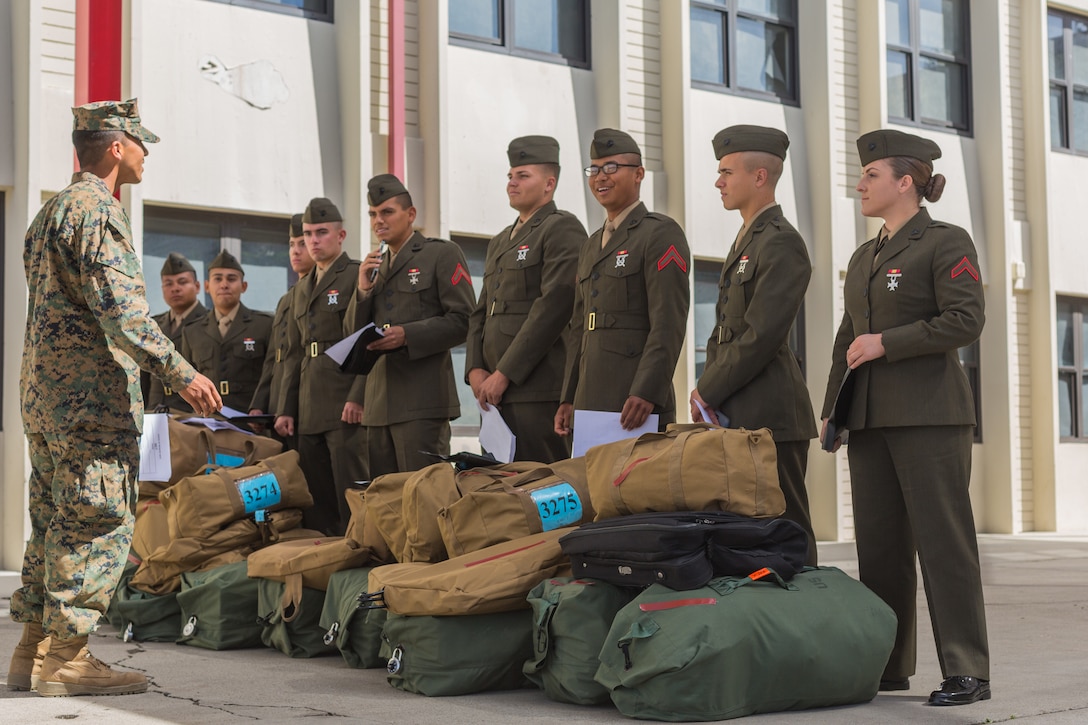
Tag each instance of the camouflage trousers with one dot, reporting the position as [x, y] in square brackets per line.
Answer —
[82, 495]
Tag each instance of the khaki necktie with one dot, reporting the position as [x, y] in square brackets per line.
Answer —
[175, 324]
[606, 235]
[224, 325]
[879, 248]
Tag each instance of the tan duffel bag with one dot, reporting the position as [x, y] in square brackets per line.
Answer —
[495, 579]
[161, 571]
[194, 446]
[305, 563]
[363, 529]
[540, 499]
[199, 506]
[150, 532]
[694, 467]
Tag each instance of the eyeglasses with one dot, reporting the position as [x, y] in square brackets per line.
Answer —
[610, 168]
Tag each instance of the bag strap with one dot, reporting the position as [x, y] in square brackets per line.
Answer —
[291, 603]
[620, 468]
[761, 478]
[676, 459]
[728, 585]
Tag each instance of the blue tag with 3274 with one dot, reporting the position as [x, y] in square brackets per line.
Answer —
[557, 505]
[259, 492]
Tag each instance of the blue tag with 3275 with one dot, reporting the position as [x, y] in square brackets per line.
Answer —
[557, 505]
[259, 492]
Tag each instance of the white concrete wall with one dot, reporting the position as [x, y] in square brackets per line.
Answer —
[7, 100]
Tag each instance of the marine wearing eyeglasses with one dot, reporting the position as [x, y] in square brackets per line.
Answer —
[632, 298]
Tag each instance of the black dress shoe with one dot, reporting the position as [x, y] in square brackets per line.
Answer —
[892, 685]
[960, 690]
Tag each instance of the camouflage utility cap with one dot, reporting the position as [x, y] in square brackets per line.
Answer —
[176, 264]
[296, 226]
[886, 143]
[112, 116]
[609, 142]
[533, 150]
[321, 210]
[384, 187]
[225, 260]
[750, 138]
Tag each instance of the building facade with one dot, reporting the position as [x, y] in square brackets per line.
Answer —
[263, 105]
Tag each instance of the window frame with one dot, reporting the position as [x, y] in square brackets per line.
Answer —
[1069, 86]
[1078, 370]
[273, 6]
[504, 44]
[730, 13]
[914, 52]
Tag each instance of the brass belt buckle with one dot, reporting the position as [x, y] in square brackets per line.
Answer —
[313, 350]
[592, 321]
[279, 354]
[720, 331]
[224, 387]
[386, 326]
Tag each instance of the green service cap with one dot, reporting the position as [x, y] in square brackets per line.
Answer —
[225, 260]
[112, 116]
[609, 142]
[884, 143]
[751, 138]
[382, 188]
[321, 210]
[533, 150]
[176, 264]
[296, 226]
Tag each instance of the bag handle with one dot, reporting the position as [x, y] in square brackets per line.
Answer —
[620, 468]
[291, 603]
[728, 585]
[676, 459]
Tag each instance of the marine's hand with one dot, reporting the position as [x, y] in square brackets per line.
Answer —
[353, 413]
[864, 348]
[635, 412]
[285, 425]
[202, 395]
[367, 268]
[563, 418]
[476, 377]
[492, 389]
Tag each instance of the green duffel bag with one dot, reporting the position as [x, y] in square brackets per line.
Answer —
[441, 656]
[144, 617]
[293, 629]
[219, 608]
[356, 632]
[113, 616]
[571, 618]
[741, 646]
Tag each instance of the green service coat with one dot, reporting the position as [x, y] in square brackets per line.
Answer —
[158, 394]
[751, 373]
[427, 290]
[233, 363]
[525, 305]
[630, 316]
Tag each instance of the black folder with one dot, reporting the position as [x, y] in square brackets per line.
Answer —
[836, 423]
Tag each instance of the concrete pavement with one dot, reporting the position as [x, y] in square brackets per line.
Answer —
[1036, 602]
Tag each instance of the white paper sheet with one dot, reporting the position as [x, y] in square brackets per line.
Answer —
[718, 418]
[215, 424]
[495, 436]
[155, 448]
[339, 351]
[595, 427]
[228, 412]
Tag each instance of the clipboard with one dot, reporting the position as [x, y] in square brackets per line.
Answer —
[840, 412]
[465, 460]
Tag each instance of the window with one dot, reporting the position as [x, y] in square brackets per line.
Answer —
[707, 280]
[1067, 49]
[475, 251]
[259, 243]
[551, 30]
[312, 9]
[1072, 338]
[969, 357]
[748, 46]
[929, 62]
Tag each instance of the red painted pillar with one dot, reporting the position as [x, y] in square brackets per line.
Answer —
[396, 89]
[99, 28]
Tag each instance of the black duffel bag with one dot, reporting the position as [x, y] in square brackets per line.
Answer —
[684, 549]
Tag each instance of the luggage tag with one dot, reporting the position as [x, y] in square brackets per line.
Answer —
[260, 491]
[558, 506]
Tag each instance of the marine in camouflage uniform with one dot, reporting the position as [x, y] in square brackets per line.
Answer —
[88, 332]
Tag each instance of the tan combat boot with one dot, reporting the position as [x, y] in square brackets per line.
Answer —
[69, 669]
[26, 661]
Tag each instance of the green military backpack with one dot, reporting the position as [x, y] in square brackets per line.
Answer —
[440, 656]
[293, 629]
[571, 618]
[356, 632]
[740, 646]
[219, 608]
